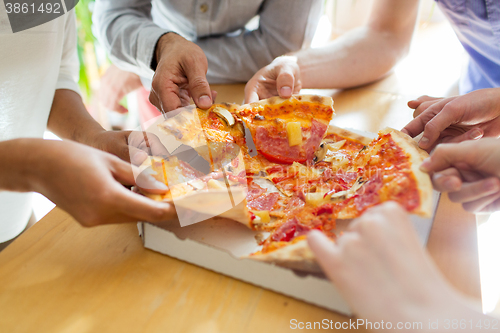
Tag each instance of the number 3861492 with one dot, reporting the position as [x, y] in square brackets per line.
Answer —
[26, 8]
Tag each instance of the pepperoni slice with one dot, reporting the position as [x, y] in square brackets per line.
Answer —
[273, 145]
[255, 192]
[318, 130]
[294, 203]
[289, 230]
[369, 194]
[264, 202]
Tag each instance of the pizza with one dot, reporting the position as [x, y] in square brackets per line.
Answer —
[304, 176]
[288, 131]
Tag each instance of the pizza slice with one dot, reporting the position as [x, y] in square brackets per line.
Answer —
[385, 170]
[288, 130]
[334, 155]
[217, 134]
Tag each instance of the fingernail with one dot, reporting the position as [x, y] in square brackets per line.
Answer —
[156, 184]
[491, 186]
[205, 100]
[476, 134]
[423, 142]
[286, 91]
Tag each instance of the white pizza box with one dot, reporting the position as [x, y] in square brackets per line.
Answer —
[219, 244]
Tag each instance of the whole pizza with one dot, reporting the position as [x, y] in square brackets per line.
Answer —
[304, 173]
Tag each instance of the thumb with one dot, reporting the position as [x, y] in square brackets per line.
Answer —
[325, 252]
[285, 82]
[198, 85]
[473, 134]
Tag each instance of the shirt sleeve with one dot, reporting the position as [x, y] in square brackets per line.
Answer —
[284, 26]
[70, 65]
[126, 30]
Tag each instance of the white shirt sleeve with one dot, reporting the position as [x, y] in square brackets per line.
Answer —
[70, 65]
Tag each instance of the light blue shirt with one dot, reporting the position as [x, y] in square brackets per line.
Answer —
[477, 25]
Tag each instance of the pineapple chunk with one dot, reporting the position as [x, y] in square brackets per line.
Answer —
[316, 198]
[263, 215]
[294, 131]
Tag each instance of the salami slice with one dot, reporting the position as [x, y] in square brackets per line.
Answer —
[264, 202]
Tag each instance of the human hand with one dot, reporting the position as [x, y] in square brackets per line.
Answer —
[469, 172]
[87, 183]
[455, 119]
[130, 146]
[116, 84]
[180, 74]
[280, 78]
[381, 270]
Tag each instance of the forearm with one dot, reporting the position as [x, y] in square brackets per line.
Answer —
[359, 57]
[69, 119]
[237, 58]
[20, 157]
[365, 54]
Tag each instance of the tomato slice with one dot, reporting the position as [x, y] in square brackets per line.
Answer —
[281, 159]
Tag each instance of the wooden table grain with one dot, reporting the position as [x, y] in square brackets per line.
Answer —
[61, 277]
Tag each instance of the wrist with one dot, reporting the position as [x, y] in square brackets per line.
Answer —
[166, 40]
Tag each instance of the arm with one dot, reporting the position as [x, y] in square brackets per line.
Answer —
[83, 181]
[380, 269]
[284, 26]
[358, 57]
[136, 44]
[128, 33]
[69, 118]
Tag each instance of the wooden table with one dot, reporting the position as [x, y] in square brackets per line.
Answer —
[60, 277]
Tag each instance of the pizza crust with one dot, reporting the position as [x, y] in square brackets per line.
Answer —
[295, 256]
[416, 155]
[327, 101]
[348, 134]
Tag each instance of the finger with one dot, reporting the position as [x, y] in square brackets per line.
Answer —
[326, 252]
[492, 207]
[154, 143]
[251, 95]
[445, 116]
[199, 88]
[479, 205]
[214, 96]
[444, 157]
[448, 180]
[416, 102]
[148, 183]
[285, 82]
[473, 134]
[137, 156]
[421, 108]
[142, 208]
[476, 190]
[167, 98]
[417, 125]
[126, 174]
